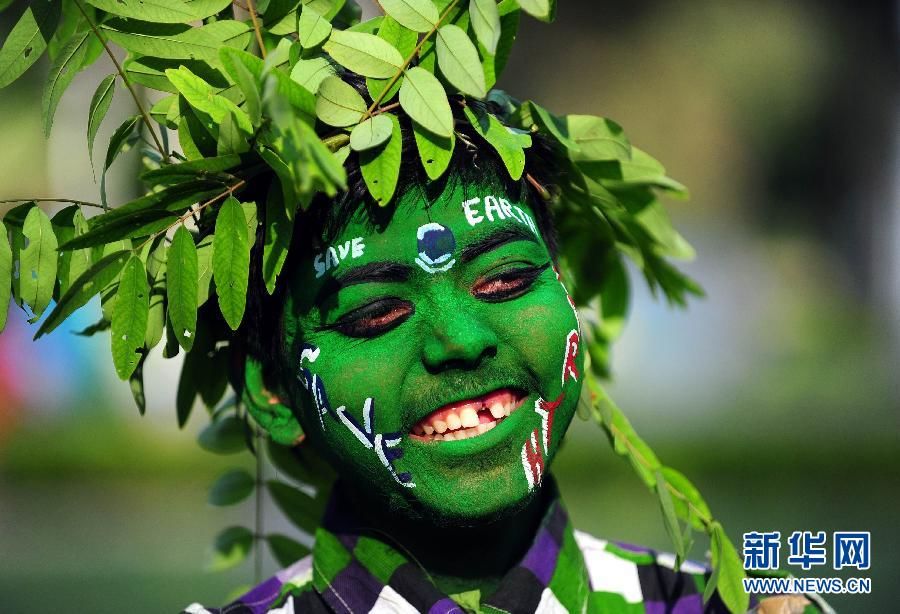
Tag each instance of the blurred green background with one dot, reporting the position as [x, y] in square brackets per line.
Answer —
[777, 394]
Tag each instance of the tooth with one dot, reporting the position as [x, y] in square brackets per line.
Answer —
[497, 411]
[453, 421]
[439, 425]
[469, 417]
[488, 426]
[483, 428]
[450, 436]
[438, 437]
[507, 410]
[428, 429]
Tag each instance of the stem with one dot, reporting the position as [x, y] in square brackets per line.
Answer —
[228, 192]
[408, 60]
[125, 80]
[252, 10]
[52, 200]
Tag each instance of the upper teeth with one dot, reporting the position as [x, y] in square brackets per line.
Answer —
[468, 418]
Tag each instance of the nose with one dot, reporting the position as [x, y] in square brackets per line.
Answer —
[457, 339]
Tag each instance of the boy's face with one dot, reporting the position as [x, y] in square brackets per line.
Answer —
[437, 357]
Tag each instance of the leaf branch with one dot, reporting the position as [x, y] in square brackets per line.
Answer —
[256, 29]
[125, 80]
[371, 110]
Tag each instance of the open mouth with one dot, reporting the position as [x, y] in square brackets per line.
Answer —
[468, 418]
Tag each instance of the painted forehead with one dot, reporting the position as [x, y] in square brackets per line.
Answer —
[434, 236]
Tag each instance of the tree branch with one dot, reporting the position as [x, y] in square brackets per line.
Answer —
[137, 100]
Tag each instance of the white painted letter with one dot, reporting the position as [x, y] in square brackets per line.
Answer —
[472, 216]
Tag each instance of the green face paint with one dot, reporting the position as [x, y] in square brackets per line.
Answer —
[437, 356]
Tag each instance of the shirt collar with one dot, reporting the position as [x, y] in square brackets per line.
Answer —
[358, 573]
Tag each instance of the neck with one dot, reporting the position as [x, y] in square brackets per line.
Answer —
[459, 558]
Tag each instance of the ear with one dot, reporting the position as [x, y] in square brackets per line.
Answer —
[267, 409]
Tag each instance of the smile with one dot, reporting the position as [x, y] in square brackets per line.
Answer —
[468, 418]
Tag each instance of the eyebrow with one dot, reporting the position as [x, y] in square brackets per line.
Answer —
[374, 272]
[494, 241]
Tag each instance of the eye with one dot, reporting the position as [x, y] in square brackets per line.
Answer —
[373, 319]
[507, 285]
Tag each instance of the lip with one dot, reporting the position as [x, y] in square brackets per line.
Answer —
[468, 419]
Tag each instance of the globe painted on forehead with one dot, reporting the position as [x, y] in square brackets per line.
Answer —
[435, 244]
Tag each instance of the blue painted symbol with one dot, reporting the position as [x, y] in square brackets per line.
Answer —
[436, 244]
[852, 549]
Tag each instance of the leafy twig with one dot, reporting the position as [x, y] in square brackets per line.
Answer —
[137, 100]
[371, 110]
[253, 18]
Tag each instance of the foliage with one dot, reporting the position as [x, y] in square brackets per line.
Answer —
[261, 90]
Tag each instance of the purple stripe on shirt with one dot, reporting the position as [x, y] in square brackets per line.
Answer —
[353, 590]
[445, 606]
[261, 596]
[541, 557]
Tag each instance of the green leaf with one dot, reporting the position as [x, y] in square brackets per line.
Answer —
[509, 27]
[64, 69]
[37, 262]
[285, 550]
[545, 10]
[418, 15]
[405, 40]
[670, 518]
[231, 138]
[119, 138]
[295, 504]
[224, 436]
[381, 166]
[509, 144]
[435, 152]
[310, 73]
[203, 97]
[486, 23]
[182, 274]
[136, 384]
[598, 138]
[237, 69]
[5, 275]
[231, 487]
[728, 572]
[100, 103]
[28, 39]
[338, 103]
[68, 224]
[156, 271]
[205, 168]
[177, 41]
[279, 230]
[151, 72]
[692, 496]
[364, 54]
[312, 28]
[83, 289]
[554, 125]
[129, 317]
[423, 98]
[231, 547]
[231, 261]
[371, 133]
[459, 62]
[204, 268]
[158, 11]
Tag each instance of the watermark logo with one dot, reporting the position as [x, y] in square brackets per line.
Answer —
[807, 549]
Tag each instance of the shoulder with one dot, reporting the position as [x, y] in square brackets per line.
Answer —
[623, 575]
[635, 579]
[288, 591]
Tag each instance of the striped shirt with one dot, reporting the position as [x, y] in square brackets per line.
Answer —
[564, 570]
